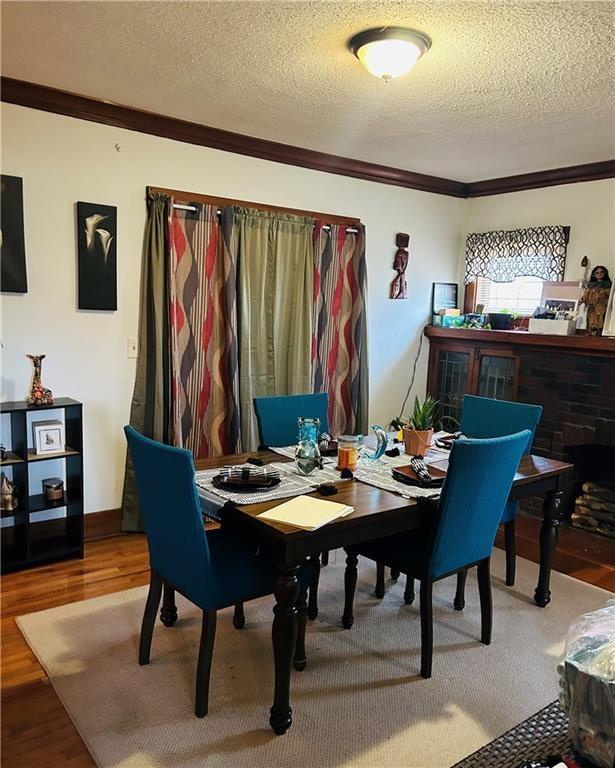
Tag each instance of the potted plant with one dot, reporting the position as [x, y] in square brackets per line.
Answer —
[502, 321]
[418, 432]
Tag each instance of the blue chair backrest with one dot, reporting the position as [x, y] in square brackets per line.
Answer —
[483, 417]
[478, 480]
[172, 515]
[277, 416]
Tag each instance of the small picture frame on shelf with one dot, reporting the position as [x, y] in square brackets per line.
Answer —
[48, 437]
[562, 305]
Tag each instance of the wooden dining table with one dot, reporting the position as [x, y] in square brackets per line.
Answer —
[377, 513]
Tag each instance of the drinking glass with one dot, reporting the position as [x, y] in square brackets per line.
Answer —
[348, 452]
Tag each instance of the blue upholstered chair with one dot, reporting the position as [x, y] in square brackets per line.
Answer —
[478, 481]
[213, 570]
[484, 417]
[277, 426]
[277, 416]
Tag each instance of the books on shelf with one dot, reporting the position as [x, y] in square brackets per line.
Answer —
[306, 512]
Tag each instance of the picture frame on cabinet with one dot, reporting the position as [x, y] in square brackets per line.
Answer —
[48, 437]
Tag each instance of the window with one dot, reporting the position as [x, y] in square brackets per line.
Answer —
[521, 295]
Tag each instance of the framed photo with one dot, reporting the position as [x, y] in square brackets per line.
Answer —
[561, 305]
[13, 278]
[444, 296]
[97, 256]
[48, 437]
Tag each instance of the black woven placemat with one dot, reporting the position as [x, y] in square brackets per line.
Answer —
[541, 735]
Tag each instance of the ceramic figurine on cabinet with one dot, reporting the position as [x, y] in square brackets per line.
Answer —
[39, 395]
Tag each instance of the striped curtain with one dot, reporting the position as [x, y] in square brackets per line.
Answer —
[151, 400]
[274, 254]
[202, 295]
[339, 343]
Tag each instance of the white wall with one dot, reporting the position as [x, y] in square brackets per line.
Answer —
[64, 160]
[588, 208]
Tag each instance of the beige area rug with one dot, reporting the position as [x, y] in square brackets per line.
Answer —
[359, 702]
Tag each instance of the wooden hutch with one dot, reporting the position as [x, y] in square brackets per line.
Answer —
[572, 377]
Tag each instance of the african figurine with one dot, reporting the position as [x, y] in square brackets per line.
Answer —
[39, 395]
[399, 287]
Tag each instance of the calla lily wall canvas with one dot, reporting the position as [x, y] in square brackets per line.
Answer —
[13, 277]
[97, 256]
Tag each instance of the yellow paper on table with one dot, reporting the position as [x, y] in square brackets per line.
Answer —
[306, 512]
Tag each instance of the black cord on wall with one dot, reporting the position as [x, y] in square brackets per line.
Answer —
[416, 359]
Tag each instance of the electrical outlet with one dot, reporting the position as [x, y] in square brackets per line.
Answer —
[133, 346]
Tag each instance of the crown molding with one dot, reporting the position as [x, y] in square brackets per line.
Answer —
[69, 104]
[85, 108]
[549, 178]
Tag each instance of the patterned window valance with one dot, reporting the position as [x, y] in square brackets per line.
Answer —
[503, 256]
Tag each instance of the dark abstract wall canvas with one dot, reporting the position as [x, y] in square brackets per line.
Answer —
[13, 278]
[97, 255]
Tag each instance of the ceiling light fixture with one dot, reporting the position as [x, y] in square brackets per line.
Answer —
[389, 52]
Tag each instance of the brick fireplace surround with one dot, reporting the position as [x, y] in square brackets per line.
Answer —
[577, 393]
[572, 377]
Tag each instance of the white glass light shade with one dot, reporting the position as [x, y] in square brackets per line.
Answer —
[389, 58]
[389, 52]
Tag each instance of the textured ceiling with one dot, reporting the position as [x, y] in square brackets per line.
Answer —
[507, 87]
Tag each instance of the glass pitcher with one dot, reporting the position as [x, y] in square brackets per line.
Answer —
[307, 453]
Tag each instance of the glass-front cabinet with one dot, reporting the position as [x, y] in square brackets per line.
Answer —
[459, 369]
[496, 376]
[453, 376]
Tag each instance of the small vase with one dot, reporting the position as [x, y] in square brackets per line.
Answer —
[307, 453]
[417, 442]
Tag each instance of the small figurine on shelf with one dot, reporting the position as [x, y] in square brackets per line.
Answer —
[39, 395]
[596, 298]
[8, 495]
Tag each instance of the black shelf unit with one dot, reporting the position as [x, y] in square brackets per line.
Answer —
[27, 542]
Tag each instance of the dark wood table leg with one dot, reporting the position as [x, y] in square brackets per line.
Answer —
[379, 591]
[300, 659]
[350, 584]
[168, 612]
[312, 611]
[284, 639]
[551, 515]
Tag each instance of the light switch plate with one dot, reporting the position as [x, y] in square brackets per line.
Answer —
[133, 346]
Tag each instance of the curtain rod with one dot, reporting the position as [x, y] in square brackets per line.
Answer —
[191, 199]
[326, 227]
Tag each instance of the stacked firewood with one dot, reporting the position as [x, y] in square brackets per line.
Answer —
[594, 509]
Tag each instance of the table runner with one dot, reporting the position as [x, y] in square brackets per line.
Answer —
[378, 473]
[291, 484]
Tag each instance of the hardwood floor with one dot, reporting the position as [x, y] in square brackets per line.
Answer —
[36, 730]
[581, 554]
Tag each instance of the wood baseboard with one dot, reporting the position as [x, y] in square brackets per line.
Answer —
[102, 525]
